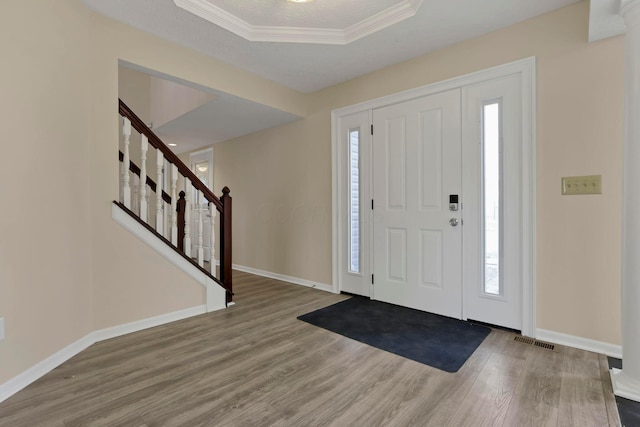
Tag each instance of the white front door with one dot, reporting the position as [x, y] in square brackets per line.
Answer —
[417, 169]
[472, 137]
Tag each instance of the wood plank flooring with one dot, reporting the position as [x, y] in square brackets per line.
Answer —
[255, 364]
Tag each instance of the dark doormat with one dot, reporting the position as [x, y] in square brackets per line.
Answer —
[437, 341]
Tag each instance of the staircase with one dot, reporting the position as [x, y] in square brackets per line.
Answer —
[159, 203]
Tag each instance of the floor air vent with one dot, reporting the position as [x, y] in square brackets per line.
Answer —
[544, 345]
[531, 341]
[524, 340]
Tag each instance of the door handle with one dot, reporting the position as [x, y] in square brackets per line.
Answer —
[454, 222]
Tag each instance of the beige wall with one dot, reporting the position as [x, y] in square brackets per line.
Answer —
[281, 178]
[170, 100]
[46, 292]
[153, 53]
[66, 268]
[134, 88]
[124, 288]
[280, 181]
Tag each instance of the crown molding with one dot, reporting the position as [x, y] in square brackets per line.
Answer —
[381, 20]
[259, 33]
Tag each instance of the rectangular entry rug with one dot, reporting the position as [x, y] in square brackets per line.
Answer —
[437, 341]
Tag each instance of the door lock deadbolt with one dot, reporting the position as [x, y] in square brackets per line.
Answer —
[453, 202]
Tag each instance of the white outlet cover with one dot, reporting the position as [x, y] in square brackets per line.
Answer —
[1, 328]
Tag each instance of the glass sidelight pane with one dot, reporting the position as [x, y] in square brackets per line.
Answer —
[354, 201]
[491, 197]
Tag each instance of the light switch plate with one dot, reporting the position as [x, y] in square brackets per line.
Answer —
[1, 328]
[588, 184]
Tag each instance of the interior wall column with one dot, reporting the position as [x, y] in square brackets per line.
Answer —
[626, 382]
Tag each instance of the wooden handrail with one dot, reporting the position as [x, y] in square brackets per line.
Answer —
[223, 204]
[156, 142]
[151, 183]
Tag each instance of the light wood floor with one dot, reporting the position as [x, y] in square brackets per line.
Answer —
[255, 364]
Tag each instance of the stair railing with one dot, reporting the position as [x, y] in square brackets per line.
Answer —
[173, 215]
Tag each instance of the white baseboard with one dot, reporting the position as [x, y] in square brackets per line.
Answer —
[612, 350]
[139, 325]
[34, 373]
[282, 277]
[623, 386]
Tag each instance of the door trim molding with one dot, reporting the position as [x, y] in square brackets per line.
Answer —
[526, 69]
[209, 152]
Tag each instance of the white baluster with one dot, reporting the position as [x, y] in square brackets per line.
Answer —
[187, 217]
[121, 183]
[200, 240]
[144, 146]
[174, 214]
[212, 252]
[135, 199]
[167, 220]
[126, 189]
[159, 205]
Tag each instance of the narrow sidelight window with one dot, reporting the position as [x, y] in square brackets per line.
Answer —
[492, 189]
[354, 200]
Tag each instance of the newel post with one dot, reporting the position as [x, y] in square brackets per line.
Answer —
[182, 204]
[225, 242]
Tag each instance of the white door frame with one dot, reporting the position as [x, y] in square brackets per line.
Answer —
[209, 152]
[526, 69]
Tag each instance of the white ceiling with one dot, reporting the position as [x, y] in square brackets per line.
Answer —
[215, 117]
[326, 42]
[224, 118]
[309, 67]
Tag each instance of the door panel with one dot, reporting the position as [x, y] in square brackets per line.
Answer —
[354, 252]
[431, 257]
[397, 254]
[417, 165]
[431, 160]
[504, 307]
[396, 168]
